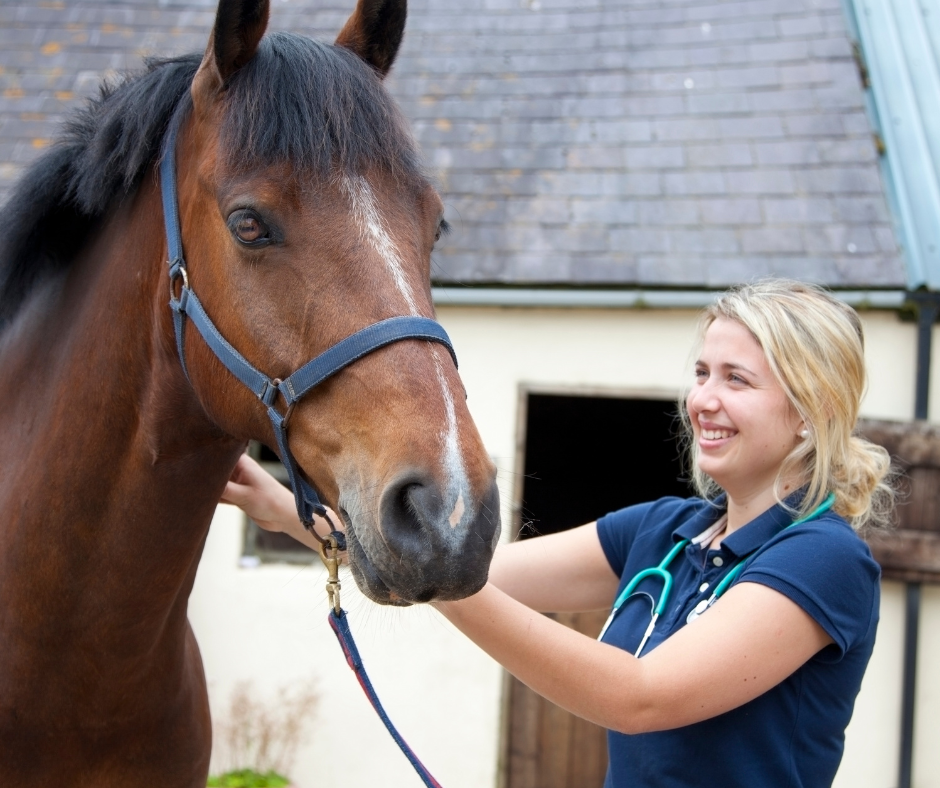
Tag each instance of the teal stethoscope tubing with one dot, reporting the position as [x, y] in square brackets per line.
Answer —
[662, 572]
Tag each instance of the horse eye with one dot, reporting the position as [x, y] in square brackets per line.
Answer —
[247, 228]
[442, 229]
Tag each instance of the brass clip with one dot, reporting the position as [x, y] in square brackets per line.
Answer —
[329, 554]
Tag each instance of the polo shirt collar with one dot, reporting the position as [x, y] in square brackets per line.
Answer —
[747, 539]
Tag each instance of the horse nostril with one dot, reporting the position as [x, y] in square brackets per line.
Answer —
[405, 515]
[423, 553]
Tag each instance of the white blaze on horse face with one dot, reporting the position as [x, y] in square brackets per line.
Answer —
[370, 225]
[373, 230]
[457, 515]
[453, 459]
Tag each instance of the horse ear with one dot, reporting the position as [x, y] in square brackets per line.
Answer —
[374, 32]
[239, 26]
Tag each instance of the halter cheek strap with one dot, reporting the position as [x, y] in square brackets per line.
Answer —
[266, 389]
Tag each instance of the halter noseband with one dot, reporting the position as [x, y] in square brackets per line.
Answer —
[266, 389]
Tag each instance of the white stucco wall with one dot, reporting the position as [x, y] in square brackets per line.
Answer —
[269, 624]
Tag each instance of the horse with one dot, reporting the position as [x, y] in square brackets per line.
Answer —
[305, 216]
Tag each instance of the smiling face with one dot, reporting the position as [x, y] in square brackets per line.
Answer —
[743, 424]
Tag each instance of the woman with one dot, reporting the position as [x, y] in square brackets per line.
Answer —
[753, 685]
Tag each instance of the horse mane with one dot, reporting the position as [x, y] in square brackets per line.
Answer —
[316, 105]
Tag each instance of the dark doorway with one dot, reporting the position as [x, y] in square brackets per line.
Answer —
[584, 456]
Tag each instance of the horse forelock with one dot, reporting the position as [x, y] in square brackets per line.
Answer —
[317, 106]
[312, 104]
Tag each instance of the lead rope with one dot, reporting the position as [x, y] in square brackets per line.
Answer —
[339, 623]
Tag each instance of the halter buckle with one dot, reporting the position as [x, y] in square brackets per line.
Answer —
[329, 554]
[269, 392]
[178, 271]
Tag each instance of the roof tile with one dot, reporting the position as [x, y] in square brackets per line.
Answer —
[664, 142]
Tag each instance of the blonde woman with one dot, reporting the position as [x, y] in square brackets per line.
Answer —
[735, 661]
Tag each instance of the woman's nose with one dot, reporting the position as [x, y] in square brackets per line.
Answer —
[702, 398]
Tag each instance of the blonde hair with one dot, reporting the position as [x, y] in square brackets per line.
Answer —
[815, 349]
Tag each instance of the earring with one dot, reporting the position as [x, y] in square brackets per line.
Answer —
[804, 433]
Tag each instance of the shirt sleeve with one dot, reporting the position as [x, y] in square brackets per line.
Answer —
[618, 530]
[825, 568]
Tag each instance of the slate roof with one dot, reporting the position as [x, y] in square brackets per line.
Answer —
[676, 143]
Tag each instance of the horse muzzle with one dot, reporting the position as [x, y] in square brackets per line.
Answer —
[422, 543]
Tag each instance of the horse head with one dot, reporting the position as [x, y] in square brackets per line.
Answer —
[305, 217]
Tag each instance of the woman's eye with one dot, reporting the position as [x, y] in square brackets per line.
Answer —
[248, 228]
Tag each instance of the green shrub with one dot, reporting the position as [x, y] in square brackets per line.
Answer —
[256, 741]
[248, 778]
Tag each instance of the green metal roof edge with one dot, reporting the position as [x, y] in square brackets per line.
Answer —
[900, 43]
[627, 298]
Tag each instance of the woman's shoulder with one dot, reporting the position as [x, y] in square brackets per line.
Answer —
[826, 541]
[827, 536]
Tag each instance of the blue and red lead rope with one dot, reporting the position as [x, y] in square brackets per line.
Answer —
[339, 623]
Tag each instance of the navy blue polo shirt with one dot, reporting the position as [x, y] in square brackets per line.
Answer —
[793, 734]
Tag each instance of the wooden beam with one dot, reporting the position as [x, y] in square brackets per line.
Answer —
[911, 552]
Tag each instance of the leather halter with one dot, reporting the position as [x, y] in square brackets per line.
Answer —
[266, 389]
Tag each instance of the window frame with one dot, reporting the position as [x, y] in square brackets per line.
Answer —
[254, 535]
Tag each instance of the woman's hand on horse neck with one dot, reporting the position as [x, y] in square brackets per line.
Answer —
[748, 642]
[266, 501]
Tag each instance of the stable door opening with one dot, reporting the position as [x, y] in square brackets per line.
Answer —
[581, 457]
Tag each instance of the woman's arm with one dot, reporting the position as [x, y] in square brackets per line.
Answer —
[269, 503]
[748, 642]
[753, 637]
[564, 572]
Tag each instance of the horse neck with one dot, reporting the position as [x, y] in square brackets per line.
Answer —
[113, 498]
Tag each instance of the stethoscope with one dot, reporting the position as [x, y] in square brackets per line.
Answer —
[661, 571]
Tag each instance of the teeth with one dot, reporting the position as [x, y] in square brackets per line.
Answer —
[714, 435]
